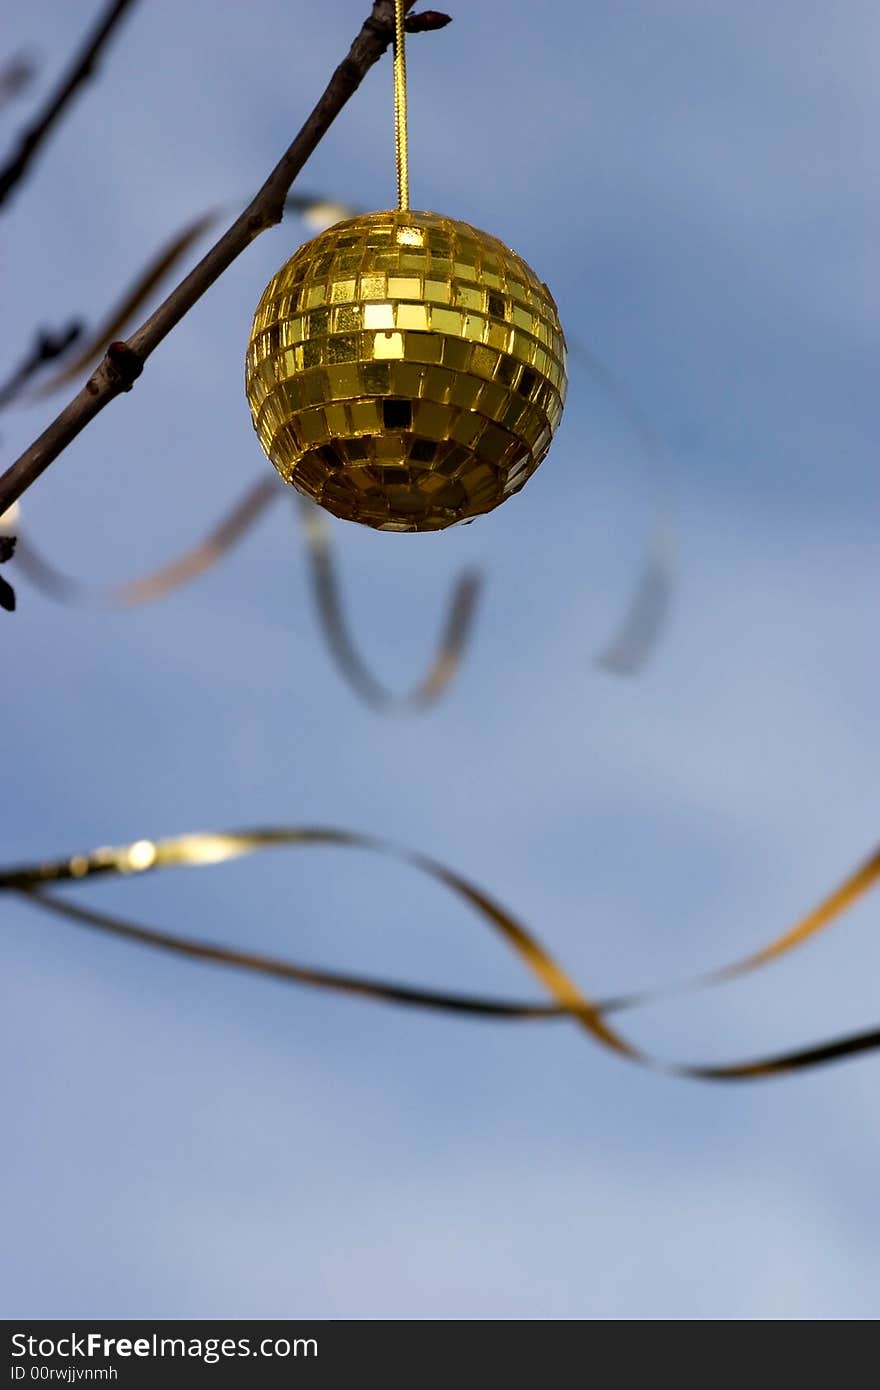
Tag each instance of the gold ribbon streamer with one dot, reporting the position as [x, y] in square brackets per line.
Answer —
[634, 642]
[325, 588]
[569, 1001]
[232, 529]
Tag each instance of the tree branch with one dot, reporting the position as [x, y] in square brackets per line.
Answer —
[81, 69]
[124, 362]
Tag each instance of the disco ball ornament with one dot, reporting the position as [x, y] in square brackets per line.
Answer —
[406, 371]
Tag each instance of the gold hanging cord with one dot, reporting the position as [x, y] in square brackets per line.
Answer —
[400, 132]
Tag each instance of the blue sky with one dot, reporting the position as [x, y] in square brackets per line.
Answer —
[696, 181]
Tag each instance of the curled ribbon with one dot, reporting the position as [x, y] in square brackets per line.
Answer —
[33, 882]
[230, 530]
[644, 621]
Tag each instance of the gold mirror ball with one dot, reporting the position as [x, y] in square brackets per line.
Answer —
[406, 371]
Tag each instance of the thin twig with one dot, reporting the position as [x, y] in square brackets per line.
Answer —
[124, 361]
[7, 593]
[81, 69]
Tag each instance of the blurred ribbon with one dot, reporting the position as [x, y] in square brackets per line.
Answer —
[643, 623]
[231, 529]
[348, 660]
[645, 618]
[46, 347]
[568, 1001]
[16, 74]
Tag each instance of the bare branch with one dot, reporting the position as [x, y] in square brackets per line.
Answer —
[427, 22]
[81, 69]
[123, 362]
[7, 593]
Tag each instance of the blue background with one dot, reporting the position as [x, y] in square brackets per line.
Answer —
[697, 182]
